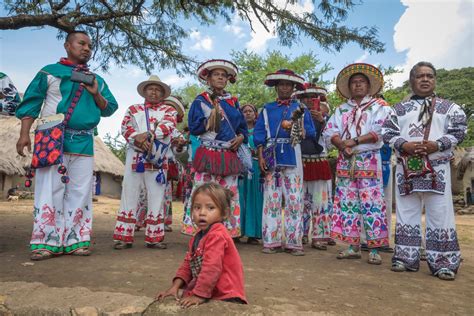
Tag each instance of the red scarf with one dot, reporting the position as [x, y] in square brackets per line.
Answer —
[286, 102]
[77, 67]
[231, 101]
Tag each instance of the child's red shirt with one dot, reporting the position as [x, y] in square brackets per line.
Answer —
[215, 270]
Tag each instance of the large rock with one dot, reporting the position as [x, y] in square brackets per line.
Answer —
[24, 298]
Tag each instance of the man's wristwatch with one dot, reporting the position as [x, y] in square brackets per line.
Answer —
[356, 140]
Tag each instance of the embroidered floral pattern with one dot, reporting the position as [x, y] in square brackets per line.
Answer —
[293, 211]
[355, 200]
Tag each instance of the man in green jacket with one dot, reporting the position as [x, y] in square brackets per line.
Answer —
[63, 201]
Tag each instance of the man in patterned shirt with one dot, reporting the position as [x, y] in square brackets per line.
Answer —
[423, 131]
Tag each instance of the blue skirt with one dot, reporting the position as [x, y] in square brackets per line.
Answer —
[251, 204]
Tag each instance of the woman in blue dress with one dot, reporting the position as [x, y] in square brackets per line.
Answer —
[251, 197]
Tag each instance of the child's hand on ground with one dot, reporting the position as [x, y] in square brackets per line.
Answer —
[172, 291]
[191, 300]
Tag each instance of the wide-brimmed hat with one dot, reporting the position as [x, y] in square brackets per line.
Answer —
[153, 80]
[175, 102]
[205, 68]
[371, 72]
[310, 88]
[284, 74]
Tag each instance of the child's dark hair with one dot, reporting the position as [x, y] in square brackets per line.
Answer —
[221, 196]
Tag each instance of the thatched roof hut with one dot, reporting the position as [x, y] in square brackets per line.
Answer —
[13, 165]
[462, 174]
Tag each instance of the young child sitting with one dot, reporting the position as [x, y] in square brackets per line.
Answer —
[212, 268]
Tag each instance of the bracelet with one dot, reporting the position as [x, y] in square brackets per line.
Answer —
[356, 140]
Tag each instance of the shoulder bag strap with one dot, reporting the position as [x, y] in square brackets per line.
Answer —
[72, 106]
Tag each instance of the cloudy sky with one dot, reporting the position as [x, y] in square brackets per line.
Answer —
[440, 31]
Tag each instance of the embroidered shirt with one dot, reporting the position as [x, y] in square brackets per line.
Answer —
[350, 120]
[11, 98]
[201, 109]
[285, 153]
[53, 88]
[448, 127]
[135, 122]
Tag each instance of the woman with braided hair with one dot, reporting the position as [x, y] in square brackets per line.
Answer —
[215, 117]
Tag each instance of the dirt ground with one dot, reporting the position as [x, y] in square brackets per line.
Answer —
[316, 284]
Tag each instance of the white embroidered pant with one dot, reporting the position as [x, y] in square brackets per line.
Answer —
[289, 186]
[442, 248]
[317, 209]
[63, 212]
[133, 183]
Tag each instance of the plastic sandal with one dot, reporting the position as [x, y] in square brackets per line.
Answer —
[297, 252]
[158, 245]
[398, 266]
[446, 274]
[119, 245]
[168, 229]
[305, 240]
[270, 251]
[374, 258]
[81, 252]
[349, 254]
[318, 245]
[41, 255]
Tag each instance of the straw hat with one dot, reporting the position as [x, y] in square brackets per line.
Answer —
[153, 80]
[284, 74]
[371, 72]
[175, 102]
[205, 68]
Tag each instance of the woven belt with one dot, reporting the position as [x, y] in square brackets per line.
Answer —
[282, 140]
[215, 144]
[75, 132]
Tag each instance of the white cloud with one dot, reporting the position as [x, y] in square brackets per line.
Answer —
[175, 81]
[260, 36]
[440, 32]
[236, 28]
[201, 42]
[362, 58]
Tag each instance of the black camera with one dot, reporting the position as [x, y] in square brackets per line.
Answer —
[82, 77]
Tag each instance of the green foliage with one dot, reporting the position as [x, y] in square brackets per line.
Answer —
[150, 34]
[253, 68]
[117, 145]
